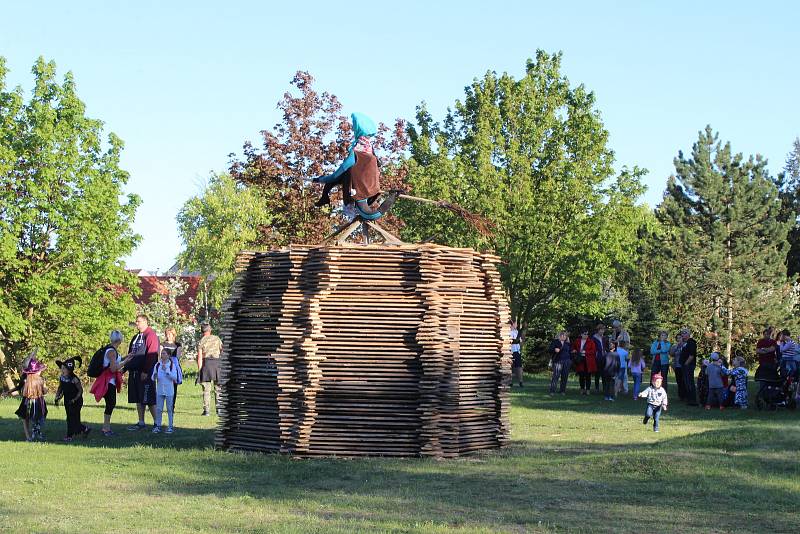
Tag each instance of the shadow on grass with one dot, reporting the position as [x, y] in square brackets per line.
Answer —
[690, 481]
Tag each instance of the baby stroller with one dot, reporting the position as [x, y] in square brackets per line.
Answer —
[775, 390]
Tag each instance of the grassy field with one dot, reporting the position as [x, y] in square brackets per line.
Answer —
[576, 464]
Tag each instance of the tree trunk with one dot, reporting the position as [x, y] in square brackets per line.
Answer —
[728, 300]
[8, 381]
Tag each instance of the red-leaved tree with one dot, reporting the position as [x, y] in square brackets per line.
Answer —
[311, 140]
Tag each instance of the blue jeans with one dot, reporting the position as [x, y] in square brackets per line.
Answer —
[654, 412]
[622, 376]
[637, 384]
[162, 402]
[788, 367]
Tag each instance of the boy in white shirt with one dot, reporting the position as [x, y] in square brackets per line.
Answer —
[656, 401]
[165, 375]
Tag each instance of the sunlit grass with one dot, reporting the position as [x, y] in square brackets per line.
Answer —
[575, 464]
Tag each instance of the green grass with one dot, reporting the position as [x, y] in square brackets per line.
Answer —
[575, 464]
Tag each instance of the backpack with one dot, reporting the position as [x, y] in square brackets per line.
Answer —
[95, 367]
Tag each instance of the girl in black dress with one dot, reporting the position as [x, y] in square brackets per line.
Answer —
[70, 389]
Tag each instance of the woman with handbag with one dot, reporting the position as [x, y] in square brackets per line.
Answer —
[583, 357]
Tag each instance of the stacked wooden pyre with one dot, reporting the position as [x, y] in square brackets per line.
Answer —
[359, 350]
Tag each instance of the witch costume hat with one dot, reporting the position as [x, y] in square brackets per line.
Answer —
[70, 363]
[34, 366]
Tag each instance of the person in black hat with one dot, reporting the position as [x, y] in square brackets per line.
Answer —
[70, 388]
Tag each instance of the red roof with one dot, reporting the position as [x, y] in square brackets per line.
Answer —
[150, 285]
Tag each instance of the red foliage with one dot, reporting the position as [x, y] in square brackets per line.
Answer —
[312, 140]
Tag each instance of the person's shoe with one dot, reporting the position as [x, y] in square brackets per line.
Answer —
[169, 430]
[108, 433]
[655, 430]
[206, 414]
[721, 408]
[86, 431]
[156, 430]
[611, 399]
[708, 406]
[137, 426]
[323, 201]
[67, 439]
[645, 420]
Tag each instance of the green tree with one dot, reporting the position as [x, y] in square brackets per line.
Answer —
[725, 273]
[215, 226]
[532, 155]
[788, 183]
[64, 222]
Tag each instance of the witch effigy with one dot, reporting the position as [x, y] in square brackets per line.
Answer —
[359, 175]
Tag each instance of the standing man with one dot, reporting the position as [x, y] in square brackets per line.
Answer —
[675, 353]
[142, 357]
[516, 354]
[620, 334]
[208, 352]
[688, 363]
[601, 346]
[767, 348]
[660, 350]
[561, 360]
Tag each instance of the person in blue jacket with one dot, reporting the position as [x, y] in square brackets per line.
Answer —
[660, 350]
[359, 175]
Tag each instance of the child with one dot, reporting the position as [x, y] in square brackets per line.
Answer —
[637, 369]
[621, 383]
[71, 388]
[714, 372]
[656, 401]
[610, 371]
[33, 409]
[739, 386]
[165, 375]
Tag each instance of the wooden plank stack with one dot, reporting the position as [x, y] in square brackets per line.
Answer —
[354, 350]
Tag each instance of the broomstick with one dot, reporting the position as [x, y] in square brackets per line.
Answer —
[479, 222]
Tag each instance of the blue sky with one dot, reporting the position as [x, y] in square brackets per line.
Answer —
[186, 83]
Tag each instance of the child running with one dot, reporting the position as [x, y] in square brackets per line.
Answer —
[70, 388]
[637, 370]
[33, 409]
[656, 401]
[165, 375]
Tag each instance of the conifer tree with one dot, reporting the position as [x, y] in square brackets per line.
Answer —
[725, 271]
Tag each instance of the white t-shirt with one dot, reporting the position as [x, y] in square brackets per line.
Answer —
[107, 362]
[514, 334]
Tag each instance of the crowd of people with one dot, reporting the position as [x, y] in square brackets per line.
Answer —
[609, 361]
[154, 372]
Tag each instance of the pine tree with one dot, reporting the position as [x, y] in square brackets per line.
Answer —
[789, 185]
[724, 271]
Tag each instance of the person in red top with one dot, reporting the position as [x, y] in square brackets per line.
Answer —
[142, 357]
[766, 348]
[583, 354]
